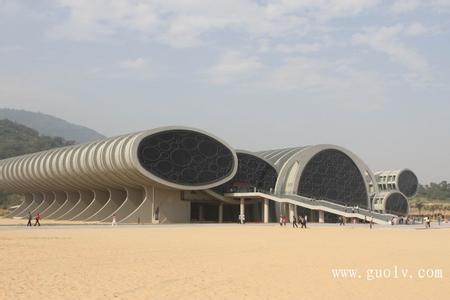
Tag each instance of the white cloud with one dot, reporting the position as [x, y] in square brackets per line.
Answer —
[416, 29]
[11, 48]
[403, 6]
[387, 39]
[138, 68]
[90, 20]
[137, 64]
[299, 48]
[233, 66]
[334, 81]
[180, 23]
[406, 6]
[9, 7]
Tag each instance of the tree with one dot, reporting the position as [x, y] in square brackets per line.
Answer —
[419, 206]
[17, 139]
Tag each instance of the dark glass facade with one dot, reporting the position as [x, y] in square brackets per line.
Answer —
[332, 175]
[396, 204]
[253, 172]
[408, 183]
[185, 157]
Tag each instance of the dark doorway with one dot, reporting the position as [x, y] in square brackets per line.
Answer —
[204, 212]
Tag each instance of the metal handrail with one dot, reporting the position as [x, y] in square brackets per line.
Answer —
[335, 204]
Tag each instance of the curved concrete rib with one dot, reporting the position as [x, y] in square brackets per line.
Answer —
[72, 199]
[133, 200]
[44, 204]
[86, 197]
[116, 198]
[49, 199]
[23, 206]
[144, 211]
[100, 199]
[60, 199]
[37, 200]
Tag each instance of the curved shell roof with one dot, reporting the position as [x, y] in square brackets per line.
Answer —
[115, 162]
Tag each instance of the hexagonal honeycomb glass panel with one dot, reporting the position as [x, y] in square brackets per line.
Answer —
[185, 157]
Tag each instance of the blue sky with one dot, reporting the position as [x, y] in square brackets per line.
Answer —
[370, 75]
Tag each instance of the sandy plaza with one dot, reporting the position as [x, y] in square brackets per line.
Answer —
[222, 261]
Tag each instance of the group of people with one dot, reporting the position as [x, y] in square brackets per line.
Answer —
[301, 219]
[353, 209]
[439, 219]
[37, 219]
[400, 220]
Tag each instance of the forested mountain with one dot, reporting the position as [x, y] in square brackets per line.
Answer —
[17, 139]
[435, 191]
[51, 126]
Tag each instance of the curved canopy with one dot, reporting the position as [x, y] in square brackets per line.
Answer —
[332, 175]
[253, 172]
[408, 183]
[174, 157]
[396, 203]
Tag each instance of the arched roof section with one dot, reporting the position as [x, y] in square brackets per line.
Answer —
[188, 159]
[291, 163]
[332, 175]
[396, 203]
[253, 172]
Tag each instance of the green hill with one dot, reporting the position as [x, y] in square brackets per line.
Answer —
[51, 126]
[17, 139]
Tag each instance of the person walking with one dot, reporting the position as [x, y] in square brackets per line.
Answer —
[281, 220]
[305, 220]
[38, 218]
[294, 222]
[302, 222]
[114, 223]
[371, 222]
[427, 222]
[30, 217]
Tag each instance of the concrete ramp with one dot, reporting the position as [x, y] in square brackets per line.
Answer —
[319, 205]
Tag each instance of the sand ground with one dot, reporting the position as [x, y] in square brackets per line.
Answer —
[219, 262]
